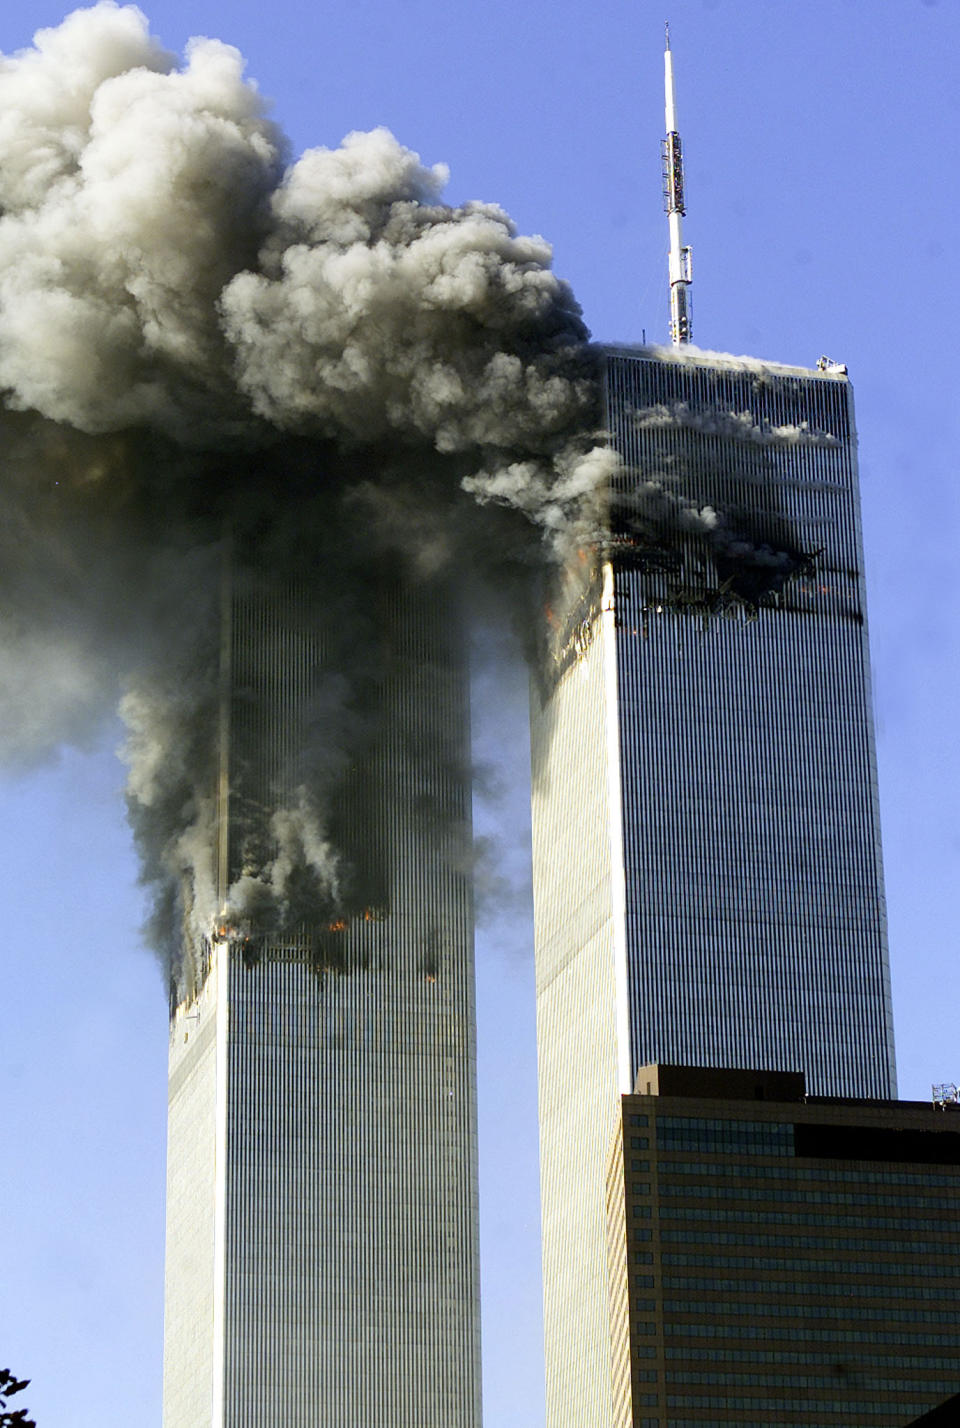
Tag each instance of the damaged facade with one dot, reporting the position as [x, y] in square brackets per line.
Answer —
[707, 871]
[322, 1259]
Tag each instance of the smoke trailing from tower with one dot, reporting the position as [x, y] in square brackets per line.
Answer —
[205, 349]
[211, 356]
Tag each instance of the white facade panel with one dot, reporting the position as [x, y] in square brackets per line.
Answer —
[575, 891]
[190, 1280]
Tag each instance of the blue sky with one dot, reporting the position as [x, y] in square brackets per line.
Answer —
[821, 144]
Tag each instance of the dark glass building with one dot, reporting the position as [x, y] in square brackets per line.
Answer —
[707, 870]
[755, 930]
[778, 1259]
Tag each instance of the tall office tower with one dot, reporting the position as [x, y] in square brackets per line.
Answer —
[322, 1262]
[707, 873]
[781, 1259]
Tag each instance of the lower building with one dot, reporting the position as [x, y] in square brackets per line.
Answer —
[780, 1259]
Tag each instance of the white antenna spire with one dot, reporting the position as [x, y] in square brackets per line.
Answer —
[681, 273]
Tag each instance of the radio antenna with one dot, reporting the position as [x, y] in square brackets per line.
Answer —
[681, 273]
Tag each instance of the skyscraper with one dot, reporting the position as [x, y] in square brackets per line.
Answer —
[322, 1200]
[707, 872]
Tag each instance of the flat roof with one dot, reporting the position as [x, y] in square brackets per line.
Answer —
[688, 355]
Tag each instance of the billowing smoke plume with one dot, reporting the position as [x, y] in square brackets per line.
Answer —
[210, 357]
[313, 377]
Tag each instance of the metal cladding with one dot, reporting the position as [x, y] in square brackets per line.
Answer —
[672, 153]
[755, 915]
[322, 1260]
[707, 870]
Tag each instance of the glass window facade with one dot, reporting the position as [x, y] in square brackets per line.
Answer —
[754, 897]
[322, 1192]
[706, 863]
[845, 1317]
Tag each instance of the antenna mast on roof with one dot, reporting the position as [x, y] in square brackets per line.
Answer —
[681, 276]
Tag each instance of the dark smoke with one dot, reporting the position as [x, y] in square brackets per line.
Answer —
[311, 371]
[206, 349]
[678, 502]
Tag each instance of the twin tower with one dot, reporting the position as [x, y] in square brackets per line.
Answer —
[707, 890]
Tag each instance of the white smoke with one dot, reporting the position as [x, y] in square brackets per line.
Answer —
[155, 255]
[379, 312]
[733, 362]
[566, 504]
[194, 334]
[731, 426]
[130, 193]
[325, 359]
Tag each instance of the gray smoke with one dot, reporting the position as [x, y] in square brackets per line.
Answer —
[210, 357]
[203, 348]
[731, 426]
[660, 503]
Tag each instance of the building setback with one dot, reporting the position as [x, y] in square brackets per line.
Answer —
[778, 1259]
[322, 1262]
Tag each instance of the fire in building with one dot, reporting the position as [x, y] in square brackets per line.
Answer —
[322, 1173]
[244, 417]
[707, 868]
[257, 424]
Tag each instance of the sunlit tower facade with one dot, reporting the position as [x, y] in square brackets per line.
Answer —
[707, 869]
[322, 1256]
